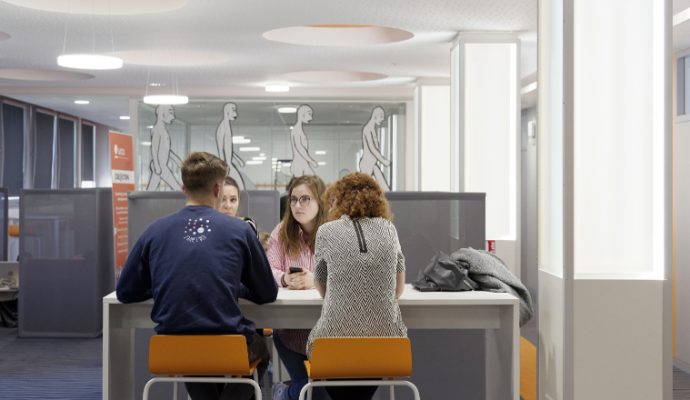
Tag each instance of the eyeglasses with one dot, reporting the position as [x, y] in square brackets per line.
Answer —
[303, 200]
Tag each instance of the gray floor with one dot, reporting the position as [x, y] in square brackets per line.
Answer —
[32, 369]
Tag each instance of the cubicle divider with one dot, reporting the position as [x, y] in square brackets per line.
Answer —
[145, 207]
[446, 364]
[4, 217]
[66, 261]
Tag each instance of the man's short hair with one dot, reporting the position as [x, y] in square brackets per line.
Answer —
[201, 170]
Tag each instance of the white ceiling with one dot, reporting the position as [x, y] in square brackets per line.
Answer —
[215, 48]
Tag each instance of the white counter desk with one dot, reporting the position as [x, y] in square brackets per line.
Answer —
[497, 313]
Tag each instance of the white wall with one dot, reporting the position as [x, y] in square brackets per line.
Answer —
[433, 105]
[682, 222]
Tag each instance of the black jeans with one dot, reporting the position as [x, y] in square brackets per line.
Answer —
[257, 349]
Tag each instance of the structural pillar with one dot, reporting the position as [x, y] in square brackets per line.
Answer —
[485, 126]
[604, 116]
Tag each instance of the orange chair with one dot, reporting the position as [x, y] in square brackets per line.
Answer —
[201, 358]
[365, 361]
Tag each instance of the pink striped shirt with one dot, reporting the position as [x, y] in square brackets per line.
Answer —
[281, 261]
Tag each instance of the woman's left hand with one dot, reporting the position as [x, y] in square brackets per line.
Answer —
[304, 280]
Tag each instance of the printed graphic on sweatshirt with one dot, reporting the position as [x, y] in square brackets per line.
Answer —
[197, 229]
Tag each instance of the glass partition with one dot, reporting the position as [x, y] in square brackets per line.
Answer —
[264, 143]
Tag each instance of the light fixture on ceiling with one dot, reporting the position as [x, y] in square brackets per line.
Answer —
[90, 60]
[254, 162]
[124, 117]
[240, 140]
[249, 149]
[169, 97]
[145, 143]
[320, 152]
[81, 102]
[287, 110]
[277, 88]
[321, 163]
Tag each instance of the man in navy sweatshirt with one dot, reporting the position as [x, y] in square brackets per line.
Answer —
[195, 264]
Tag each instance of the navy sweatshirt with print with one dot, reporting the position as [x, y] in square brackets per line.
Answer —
[195, 264]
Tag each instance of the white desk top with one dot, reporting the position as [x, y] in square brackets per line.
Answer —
[410, 297]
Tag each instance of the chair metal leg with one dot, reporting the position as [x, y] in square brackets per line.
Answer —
[392, 392]
[175, 390]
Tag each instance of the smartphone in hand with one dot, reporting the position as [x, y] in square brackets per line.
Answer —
[295, 269]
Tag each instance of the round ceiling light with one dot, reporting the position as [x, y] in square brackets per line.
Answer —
[338, 35]
[89, 61]
[171, 99]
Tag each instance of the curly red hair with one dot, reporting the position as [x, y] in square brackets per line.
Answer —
[357, 195]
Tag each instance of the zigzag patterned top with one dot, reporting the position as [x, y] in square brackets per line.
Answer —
[358, 261]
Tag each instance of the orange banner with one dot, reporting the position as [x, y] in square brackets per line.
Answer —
[122, 166]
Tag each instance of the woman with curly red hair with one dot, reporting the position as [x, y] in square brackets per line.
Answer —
[359, 269]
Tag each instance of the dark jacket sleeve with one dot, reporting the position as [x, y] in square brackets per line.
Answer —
[257, 279]
[135, 281]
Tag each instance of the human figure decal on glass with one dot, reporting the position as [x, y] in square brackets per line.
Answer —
[371, 155]
[302, 162]
[161, 151]
[224, 143]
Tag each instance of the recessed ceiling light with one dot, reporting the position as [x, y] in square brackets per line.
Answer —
[240, 140]
[166, 99]
[155, 84]
[259, 158]
[124, 117]
[146, 143]
[277, 88]
[254, 162]
[321, 163]
[81, 102]
[287, 110]
[149, 126]
[89, 61]
[262, 154]
[250, 148]
[320, 152]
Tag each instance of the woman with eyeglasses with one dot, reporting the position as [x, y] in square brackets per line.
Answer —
[291, 255]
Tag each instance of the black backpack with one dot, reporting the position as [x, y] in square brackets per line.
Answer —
[444, 275]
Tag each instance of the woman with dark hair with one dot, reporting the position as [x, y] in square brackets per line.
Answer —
[359, 269]
[230, 201]
[291, 255]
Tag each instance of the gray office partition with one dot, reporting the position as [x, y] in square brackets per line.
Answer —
[428, 222]
[263, 206]
[4, 217]
[145, 207]
[66, 261]
[446, 364]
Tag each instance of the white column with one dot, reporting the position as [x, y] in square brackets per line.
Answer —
[604, 214]
[433, 117]
[485, 112]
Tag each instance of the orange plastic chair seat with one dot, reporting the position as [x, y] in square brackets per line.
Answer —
[360, 358]
[199, 355]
